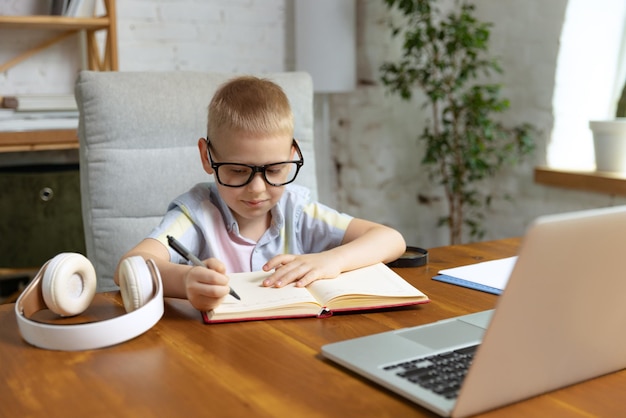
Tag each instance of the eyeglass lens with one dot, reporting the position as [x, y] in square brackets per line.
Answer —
[275, 174]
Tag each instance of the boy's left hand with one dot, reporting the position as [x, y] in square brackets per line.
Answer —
[302, 269]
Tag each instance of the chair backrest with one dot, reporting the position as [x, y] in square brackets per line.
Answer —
[138, 133]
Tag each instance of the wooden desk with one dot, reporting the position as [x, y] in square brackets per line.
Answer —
[182, 367]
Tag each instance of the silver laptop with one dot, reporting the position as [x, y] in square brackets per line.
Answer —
[559, 321]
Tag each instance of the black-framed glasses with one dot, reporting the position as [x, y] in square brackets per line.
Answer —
[238, 175]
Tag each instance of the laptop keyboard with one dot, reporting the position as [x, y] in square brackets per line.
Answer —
[441, 373]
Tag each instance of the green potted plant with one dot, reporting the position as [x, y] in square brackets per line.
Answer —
[445, 55]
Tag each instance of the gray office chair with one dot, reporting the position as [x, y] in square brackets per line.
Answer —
[138, 133]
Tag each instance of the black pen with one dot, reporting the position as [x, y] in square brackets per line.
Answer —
[180, 249]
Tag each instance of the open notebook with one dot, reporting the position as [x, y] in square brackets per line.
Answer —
[559, 321]
[371, 287]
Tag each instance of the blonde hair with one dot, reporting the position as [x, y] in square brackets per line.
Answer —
[250, 104]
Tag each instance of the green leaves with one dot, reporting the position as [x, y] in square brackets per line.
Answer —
[446, 56]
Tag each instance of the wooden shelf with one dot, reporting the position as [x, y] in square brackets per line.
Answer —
[97, 60]
[590, 181]
[39, 140]
[68, 26]
[54, 22]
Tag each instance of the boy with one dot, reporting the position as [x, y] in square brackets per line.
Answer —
[252, 218]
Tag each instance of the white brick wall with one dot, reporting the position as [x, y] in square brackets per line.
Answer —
[159, 35]
[373, 134]
[369, 126]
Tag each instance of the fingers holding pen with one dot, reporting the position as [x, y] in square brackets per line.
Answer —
[212, 263]
[206, 288]
[215, 264]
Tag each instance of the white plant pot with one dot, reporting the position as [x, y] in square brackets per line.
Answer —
[609, 143]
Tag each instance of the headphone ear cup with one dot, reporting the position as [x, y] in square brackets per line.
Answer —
[136, 283]
[69, 284]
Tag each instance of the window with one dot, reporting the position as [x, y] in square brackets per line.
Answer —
[590, 74]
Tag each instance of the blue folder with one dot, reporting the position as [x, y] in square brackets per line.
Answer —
[466, 283]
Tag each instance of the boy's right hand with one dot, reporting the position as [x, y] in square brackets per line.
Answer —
[207, 287]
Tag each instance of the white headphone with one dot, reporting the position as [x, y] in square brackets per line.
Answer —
[66, 285]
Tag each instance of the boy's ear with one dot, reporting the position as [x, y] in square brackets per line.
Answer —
[204, 156]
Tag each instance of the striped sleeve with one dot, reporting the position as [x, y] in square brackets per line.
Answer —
[322, 228]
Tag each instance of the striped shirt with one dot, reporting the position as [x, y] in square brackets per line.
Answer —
[204, 224]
